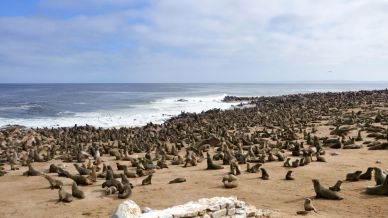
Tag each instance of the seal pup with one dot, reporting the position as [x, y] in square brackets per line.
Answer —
[289, 176]
[337, 186]
[367, 175]
[353, 177]
[322, 192]
[230, 181]
[234, 168]
[147, 181]
[177, 180]
[308, 207]
[54, 184]
[64, 196]
[211, 165]
[76, 192]
[264, 174]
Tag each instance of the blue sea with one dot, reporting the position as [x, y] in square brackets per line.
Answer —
[115, 105]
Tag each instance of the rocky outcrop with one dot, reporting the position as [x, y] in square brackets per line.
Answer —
[216, 207]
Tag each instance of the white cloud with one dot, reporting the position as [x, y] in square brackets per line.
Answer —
[201, 40]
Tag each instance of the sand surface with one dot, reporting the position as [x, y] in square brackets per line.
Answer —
[31, 196]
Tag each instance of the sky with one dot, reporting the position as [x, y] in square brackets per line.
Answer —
[193, 40]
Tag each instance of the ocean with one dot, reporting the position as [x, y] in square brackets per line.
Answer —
[116, 105]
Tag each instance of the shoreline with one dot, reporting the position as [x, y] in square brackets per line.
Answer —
[343, 127]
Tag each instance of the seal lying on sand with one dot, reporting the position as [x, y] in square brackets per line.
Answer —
[177, 180]
[378, 190]
[322, 192]
[230, 181]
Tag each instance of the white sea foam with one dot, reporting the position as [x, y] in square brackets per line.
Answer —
[135, 115]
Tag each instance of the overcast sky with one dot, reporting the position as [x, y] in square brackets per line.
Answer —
[193, 40]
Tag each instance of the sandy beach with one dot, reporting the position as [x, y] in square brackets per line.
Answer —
[30, 196]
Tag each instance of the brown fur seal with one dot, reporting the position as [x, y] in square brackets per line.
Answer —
[147, 181]
[320, 158]
[288, 175]
[31, 171]
[54, 184]
[230, 181]
[211, 165]
[125, 192]
[234, 167]
[110, 183]
[353, 177]
[82, 170]
[322, 192]
[337, 186]
[367, 175]
[264, 174]
[81, 180]
[129, 174]
[76, 192]
[379, 176]
[287, 163]
[64, 196]
[378, 190]
[254, 169]
[177, 180]
[308, 205]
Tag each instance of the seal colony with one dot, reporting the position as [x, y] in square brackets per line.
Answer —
[306, 134]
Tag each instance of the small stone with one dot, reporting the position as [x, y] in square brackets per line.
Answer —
[378, 161]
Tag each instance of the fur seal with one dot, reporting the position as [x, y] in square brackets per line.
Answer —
[234, 168]
[64, 196]
[53, 168]
[337, 186]
[353, 177]
[82, 170]
[211, 165]
[81, 180]
[254, 169]
[367, 175]
[287, 163]
[230, 181]
[264, 174]
[110, 183]
[31, 171]
[308, 205]
[125, 191]
[76, 192]
[54, 184]
[177, 180]
[288, 175]
[147, 181]
[322, 192]
[379, 189]
[379, 176]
